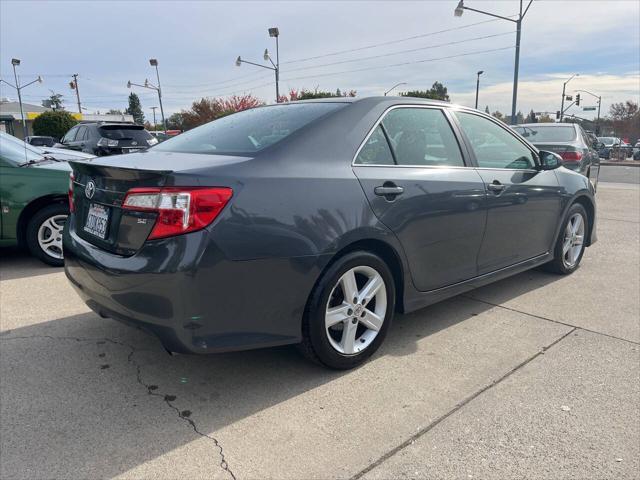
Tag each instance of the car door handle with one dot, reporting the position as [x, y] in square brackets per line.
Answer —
[496, 187]
[388, 190]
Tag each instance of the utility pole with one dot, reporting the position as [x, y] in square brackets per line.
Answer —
[478, 86]
[564, 87]
[154, 117]
[74, 86]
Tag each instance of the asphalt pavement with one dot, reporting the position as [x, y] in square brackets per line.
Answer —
[619, 174]
[536, 376]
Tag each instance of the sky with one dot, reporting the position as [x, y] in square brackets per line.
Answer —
[367, 46]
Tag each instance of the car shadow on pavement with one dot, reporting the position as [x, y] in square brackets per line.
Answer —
[91, 396]
[17, 263]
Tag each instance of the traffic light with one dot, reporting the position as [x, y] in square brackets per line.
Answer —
[72, 85]
[577, 100]
[558, 115]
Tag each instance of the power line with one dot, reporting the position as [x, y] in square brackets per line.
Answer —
[400, 64]
[391, 42]
[398, 52]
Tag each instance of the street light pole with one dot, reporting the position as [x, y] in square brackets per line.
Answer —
[564, 87]
[396, 85]
[458, 13]
[478, 86]
[273, 32]
[154, 63]
[16, 62]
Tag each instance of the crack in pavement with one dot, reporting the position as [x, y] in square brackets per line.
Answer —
[150, 388]
[469, 297]
[457, 407]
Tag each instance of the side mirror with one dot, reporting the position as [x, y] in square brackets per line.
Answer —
[549, 160]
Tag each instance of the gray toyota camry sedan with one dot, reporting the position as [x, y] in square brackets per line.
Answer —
[313, 222]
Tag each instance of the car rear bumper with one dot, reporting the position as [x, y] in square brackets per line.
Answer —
[190, 295]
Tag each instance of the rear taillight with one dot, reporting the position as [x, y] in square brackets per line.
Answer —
[571, 156]
[72, 207]
[180, 210]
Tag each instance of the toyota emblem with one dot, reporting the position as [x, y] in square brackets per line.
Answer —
[90, 189]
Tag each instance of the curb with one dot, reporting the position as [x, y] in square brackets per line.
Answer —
[608, 163]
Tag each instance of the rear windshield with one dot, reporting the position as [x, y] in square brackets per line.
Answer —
[118, 132]
[547, 133]
[42, 141]
[248, 131]
[608, 140]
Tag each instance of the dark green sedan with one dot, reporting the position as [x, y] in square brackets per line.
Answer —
[34, 185]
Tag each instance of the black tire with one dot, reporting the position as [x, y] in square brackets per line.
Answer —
[558, 264]
[315, 342]
[33, 227]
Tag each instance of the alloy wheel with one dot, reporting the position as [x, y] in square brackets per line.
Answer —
[356, 310]
[50, 235]
[573, 240]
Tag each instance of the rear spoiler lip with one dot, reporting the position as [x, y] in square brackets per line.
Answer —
[80, 166]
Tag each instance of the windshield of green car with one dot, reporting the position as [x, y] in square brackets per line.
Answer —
[15, 151]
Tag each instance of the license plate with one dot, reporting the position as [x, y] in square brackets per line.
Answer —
[97, 220]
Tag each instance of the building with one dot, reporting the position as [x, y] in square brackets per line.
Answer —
[11, 118]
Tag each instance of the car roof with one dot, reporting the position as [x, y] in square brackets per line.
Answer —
[378, 99]
[545, 125]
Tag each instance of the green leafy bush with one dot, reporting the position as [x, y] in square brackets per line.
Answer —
[53, 124]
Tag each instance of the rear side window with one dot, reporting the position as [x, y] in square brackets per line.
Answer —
[493, 145]
[248, 131]
[117, 132]
[376, 150]
[422, 137]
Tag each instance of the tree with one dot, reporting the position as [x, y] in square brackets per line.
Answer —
[519, 118]
[54, 101]
[208, 109]
[305, 94]
[175, 121]
[531, 118]
[135, 109]
[114, 111]
[437, 92]
[53, 124]
[625, 117]
[545, 118]
[498, 114]
[486, 110]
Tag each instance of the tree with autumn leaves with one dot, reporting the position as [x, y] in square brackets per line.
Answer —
[206, 110]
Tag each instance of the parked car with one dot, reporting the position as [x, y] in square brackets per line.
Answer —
[606, 146]
[568, 140]
[41, 141]
[33, 194]
[636, 151]
[102, 139]
[313, 222]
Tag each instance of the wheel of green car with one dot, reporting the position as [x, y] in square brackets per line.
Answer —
[44, 233]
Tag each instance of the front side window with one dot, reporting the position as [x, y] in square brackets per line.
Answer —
[249, 131]
[493, 145]
[70, 135]
[423, 137]
[376, 150]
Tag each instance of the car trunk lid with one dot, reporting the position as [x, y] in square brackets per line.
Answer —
[100, 190]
